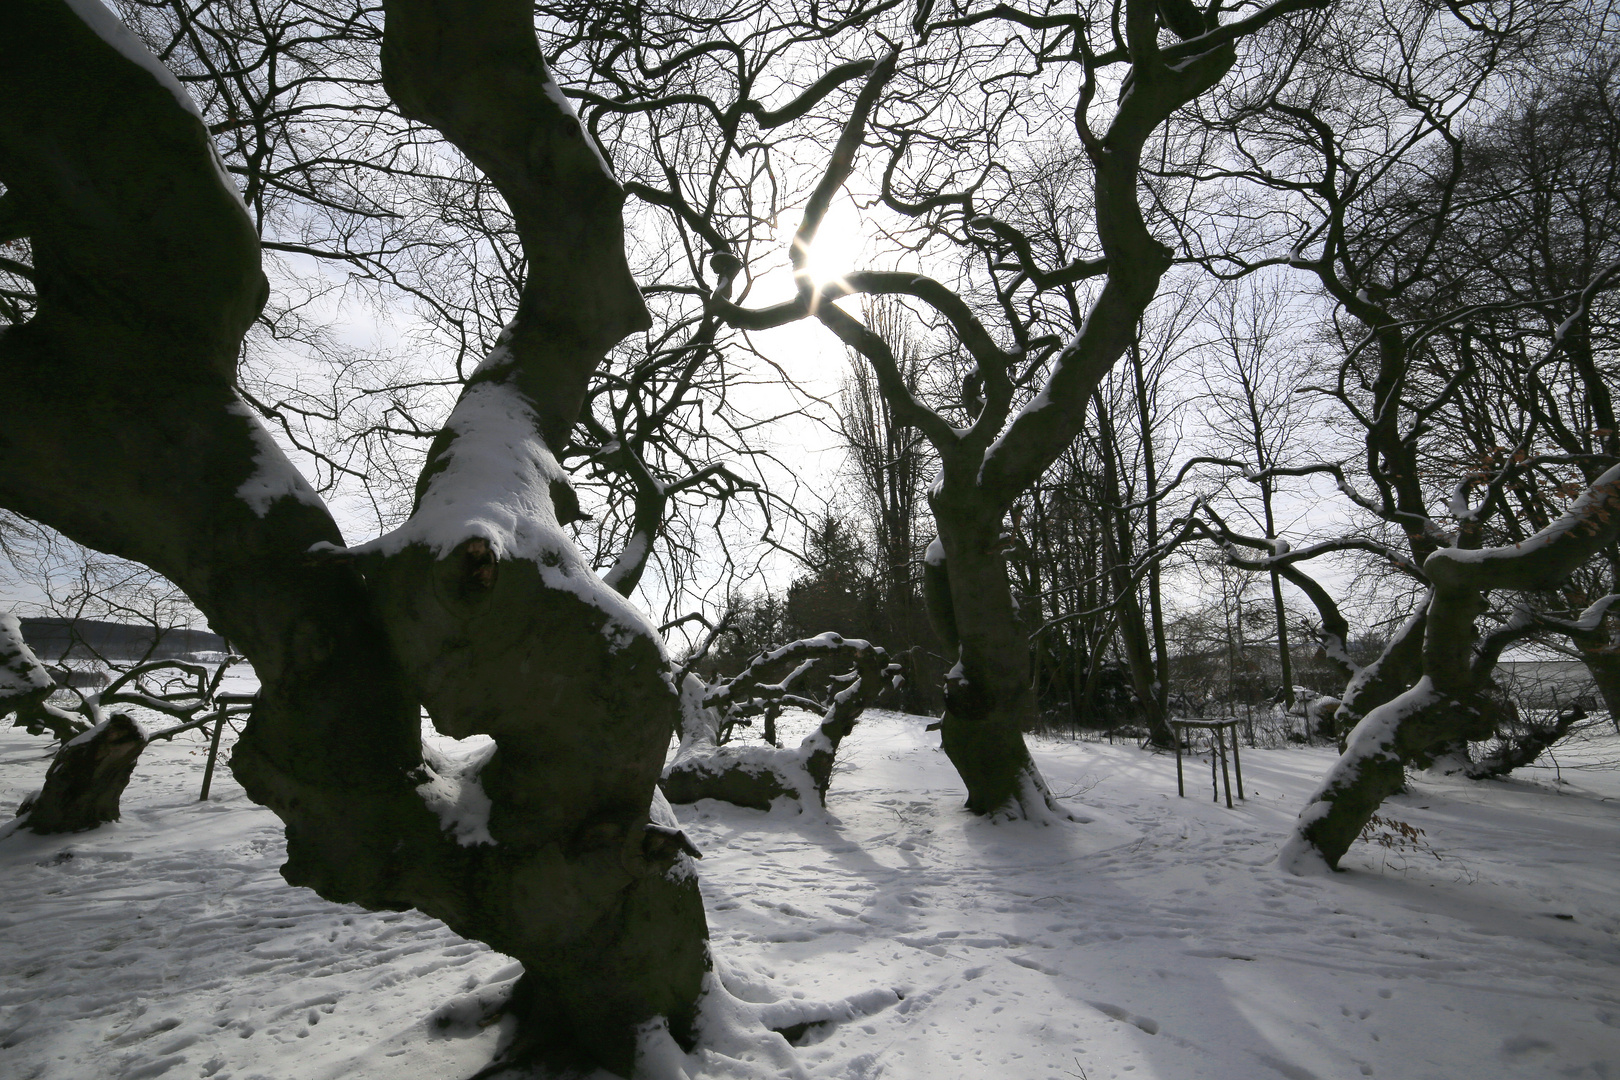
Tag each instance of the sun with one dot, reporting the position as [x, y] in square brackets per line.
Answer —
[837, 247]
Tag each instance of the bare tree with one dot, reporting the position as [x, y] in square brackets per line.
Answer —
[890, 461]
[1256, 414]
[802, 674]
[1025, 398]
[124, 432]
[88, 775]
[1367, 143]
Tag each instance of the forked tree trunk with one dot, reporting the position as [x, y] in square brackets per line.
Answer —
[119, 427]
[989, 703]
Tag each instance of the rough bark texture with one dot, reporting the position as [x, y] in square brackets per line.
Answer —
[509, 633]
[1373, 767]
[86, 779]
[120, 428]
[610, 928]
[988, 698]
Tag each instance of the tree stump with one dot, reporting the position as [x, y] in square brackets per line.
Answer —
[87, 778]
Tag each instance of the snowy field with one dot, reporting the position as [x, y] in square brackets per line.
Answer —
[1154, 940]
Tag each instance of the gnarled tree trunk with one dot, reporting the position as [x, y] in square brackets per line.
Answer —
[755, 776]
[120, 427]
[86, 778]
[989, 701]
[1446, 704]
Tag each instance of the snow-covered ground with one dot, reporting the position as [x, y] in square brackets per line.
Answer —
[1154, 940]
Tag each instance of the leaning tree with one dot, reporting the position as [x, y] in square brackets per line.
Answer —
[1450, 202]
[123, 430]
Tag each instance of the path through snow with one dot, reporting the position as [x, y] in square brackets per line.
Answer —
[1156, 940]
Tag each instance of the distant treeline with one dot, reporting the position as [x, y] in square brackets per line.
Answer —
[56, 639]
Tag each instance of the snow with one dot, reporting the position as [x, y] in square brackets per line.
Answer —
[85, 736]
[274, 477]
[452, 790]
[1365, 675]
[555, 93]
[632, 557]
[1372, 739]
[21, 673]
[494, 483]
[1042, 400]
[1591, 618]
[698, 753]
[1159, 941]
[1584, 514]
[109, 28]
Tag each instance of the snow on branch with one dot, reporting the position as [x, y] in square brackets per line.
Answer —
[25, 685]
[1542, 560]
[1527, 622]
[704, 767]
[107, 26]
[493, 481]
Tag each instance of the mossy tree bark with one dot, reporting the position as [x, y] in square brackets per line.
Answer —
[120, 427]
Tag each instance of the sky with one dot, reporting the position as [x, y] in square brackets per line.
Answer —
[809, 354]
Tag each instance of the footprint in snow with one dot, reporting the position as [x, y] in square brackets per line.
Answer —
[1026, 962]
[1146, 1023]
